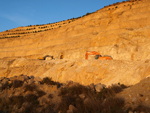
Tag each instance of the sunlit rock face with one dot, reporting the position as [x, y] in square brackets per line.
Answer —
[121, 31]
[85, 72]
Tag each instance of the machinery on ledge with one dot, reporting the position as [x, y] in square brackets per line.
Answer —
[97, 55]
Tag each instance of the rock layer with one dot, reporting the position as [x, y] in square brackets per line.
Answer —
[82, 71]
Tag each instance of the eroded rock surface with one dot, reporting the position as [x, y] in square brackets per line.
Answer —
[85, 72]
[121, 31]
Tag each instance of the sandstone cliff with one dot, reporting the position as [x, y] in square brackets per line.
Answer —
[120, 30]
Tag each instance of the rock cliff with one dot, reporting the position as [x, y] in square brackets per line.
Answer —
[121, 30]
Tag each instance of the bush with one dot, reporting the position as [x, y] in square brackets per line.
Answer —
[75, 90]
[114, 105]
[30, 97]
[109, 92]
[17, 83]
[48, 81]
[48, 109]
[4, 86]
[40, 93]
[66, 101]
[103, 101]
[16, 100]
[50, 96]
[3, 105]
[30, 87]
[87, 14]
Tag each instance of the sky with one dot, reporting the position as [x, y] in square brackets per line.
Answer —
[16, 13]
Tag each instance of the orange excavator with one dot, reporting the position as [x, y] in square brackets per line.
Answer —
[97, 55]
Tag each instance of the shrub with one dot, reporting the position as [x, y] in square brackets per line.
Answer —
[113, 105]
[30, 87]
[48, 109]
[109, 92]
[103, 101]
[4, 106]
[40, 93]
[70, 95]
[30, 97]
[66, 101]
[50, 96]
[48, 81]
[17, 83]
[74, 90]
[5, 86]
[87, 14]
[16, 100]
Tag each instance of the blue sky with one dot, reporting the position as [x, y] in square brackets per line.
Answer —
[15, 13]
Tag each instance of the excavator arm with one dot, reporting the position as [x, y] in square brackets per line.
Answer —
[90, 53]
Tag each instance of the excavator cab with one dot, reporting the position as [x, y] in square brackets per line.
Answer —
[97, 56]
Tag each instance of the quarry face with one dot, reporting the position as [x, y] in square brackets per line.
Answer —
[121, 31]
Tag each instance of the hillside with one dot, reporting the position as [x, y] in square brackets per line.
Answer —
[55, 52]
[29, 94]
[120, 30]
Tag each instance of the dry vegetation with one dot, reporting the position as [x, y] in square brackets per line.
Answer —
[32, 29]
[20, 95]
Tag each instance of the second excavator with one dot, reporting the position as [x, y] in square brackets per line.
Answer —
[97, 55]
